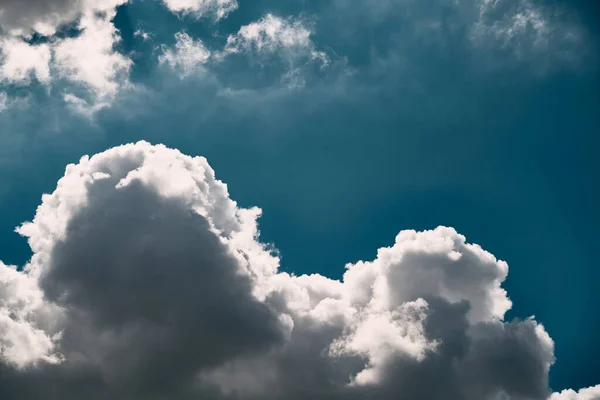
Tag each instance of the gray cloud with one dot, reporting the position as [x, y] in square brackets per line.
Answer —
[25, 15]
[148, 282]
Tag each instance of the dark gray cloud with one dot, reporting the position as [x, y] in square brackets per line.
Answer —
[148, 282]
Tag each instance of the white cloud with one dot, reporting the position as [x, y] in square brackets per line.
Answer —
[199, 8]
[22, 18]
[143, 267]
[88, 59]
[271, 40]
[22, 312]
[287, 39]
[20, 61]
[382, 335]
[187, 55]
[591, 393]
[269, 34]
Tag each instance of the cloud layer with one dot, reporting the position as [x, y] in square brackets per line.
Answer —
[149, 282]
[93, 70]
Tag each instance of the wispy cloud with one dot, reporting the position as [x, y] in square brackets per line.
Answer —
[199, 8]
[187, 56]
[532, 33]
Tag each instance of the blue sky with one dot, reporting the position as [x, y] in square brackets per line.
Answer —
[353, 121]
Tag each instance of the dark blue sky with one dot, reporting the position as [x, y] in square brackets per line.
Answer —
[428, 130]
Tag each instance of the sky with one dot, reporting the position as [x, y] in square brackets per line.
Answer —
[282, 199]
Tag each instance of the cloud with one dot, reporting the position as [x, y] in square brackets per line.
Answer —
[90, 58]
[273, 43]
[23, 18]
[148, 281]
[199, 8]
[493, 34]
[187, 55]
[268, 34]
[592, 393]
[159, 339]
[20, 61]
[142, 34]
[45, 17]
[279, 51]
[528, 30]
[286, 39]
[87, 60]
[273, 33]
[22, 311]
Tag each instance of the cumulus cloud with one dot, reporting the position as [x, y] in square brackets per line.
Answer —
[88, 59]
[592, 393]
[186, 56]
[148, 281]
[199, 8]
[21, 61]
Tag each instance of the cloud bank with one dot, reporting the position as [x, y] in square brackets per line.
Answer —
[148, 282]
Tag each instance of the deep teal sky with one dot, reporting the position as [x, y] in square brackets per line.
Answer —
[426, 132]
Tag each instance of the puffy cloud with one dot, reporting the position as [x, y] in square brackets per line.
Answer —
[591, 393]
[186, 56]
[153, 339]
[23, 315]
[199, 8]
[88, 59]
[148, 281]
[20, 61]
